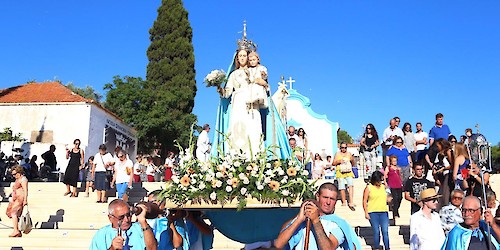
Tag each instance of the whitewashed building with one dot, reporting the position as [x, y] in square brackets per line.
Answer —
[50, 113]
[321, 132]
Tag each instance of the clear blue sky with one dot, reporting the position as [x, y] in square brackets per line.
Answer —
[358, 62]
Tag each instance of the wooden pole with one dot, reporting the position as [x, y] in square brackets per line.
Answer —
[308, 232]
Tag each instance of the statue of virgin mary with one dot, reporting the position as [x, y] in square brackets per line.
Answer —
[243, 127]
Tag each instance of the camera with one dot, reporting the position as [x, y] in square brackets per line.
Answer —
[152, 210]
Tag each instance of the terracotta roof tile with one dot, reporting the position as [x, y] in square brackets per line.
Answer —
[45, 92]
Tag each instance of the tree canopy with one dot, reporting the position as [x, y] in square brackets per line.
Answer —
[87, 92]
[171, 76]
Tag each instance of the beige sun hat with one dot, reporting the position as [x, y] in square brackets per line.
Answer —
[428, 194]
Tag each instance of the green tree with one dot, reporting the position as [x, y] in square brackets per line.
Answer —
[343, 136]
[87, 92]
[127, 98]
[171, 76]
[495, 154]
[8, 135]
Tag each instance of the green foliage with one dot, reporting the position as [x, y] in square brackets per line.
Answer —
[8, 135]
[87, 92]
[343, 136]
[495, 154]
[171, 77]
[127, 98]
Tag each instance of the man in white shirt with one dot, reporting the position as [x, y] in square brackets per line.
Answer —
[203, 144]
[420, 142]
[425, 225]
[388, 136]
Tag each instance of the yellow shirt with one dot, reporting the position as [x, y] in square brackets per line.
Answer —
[346, 157]
[377, 199]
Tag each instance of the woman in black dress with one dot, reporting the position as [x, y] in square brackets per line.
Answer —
[76, 162]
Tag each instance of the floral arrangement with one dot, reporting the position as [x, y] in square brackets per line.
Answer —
[215, 78]
[235, 178]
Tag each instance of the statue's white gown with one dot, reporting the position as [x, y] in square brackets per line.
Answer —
[245, 126]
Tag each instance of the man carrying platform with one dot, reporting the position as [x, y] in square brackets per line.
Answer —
[329, 230]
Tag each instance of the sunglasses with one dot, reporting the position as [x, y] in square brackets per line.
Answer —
[120, 156]
[121, 217]
[433, 200]
[399, 142]
[457, 198]
[469, 210]
[343, 147]
[453, 141]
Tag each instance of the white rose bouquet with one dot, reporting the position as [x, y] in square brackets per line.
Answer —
[215, 78]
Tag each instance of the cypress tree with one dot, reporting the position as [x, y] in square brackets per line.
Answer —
[171, 76]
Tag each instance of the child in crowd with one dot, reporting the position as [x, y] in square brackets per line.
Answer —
[89, 178]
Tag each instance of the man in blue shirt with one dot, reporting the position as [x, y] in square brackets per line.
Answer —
[122, 233]
[328, 230]
[440, 130]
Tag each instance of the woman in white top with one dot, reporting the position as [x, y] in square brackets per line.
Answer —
[122, 175]
[102, 161]
[318, 167]
[302, 141]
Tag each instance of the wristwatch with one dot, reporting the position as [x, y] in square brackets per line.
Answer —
[145, 228]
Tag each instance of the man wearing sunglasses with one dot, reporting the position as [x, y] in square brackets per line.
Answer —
[473, 232]
[451, 214]
[122, 233]
[425, 225]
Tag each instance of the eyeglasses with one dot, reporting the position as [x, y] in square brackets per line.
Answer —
[457, 197]
[120, 156]
[398, 120]
[469, 210]
[121, 217]
[368, 128]
[432, 200]
[399, 142]
[14, 173]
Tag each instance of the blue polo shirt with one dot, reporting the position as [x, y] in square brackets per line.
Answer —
[134, 238]
[439, 132]
[402, 155]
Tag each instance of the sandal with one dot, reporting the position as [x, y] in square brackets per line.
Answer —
[67, 193]
[352, 207]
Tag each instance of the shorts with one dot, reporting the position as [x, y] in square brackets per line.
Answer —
[343, 181]
[121, 189]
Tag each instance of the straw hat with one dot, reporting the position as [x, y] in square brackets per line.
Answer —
[428, 194]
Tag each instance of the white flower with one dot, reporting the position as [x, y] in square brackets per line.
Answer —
[243, 191]
[208, 177]
[267, 180]
[175, 179]
[249, 168]
[237, 163]
[219, 175]
[202, 186]
[213, 196]
[285, 192]
[268, 165]
[269, 172]
[229, 181]
[253, 173]
[242, 176]
[246, 181]
[260, 187]
[280, 171]
[218, 183]
[305, 173]
[229, 189]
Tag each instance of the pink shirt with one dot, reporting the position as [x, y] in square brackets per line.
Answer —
[394, 179]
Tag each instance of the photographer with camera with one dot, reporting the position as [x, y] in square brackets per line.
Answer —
[180, 228]
[122, 233]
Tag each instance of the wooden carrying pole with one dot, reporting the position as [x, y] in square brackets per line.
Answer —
[308, 232]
